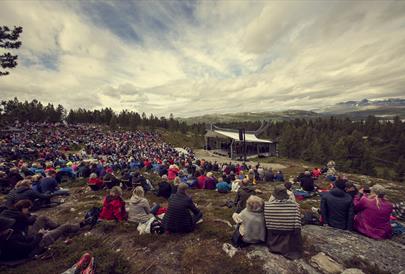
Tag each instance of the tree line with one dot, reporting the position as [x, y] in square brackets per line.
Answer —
[35, 111]
[371, 146]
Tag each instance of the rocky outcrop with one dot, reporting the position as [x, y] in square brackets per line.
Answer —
[354, 250]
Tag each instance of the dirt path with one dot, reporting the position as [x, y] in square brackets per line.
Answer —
[203, 154]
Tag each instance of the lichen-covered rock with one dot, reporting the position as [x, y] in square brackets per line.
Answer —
[277, 264]
[352, 271]
[326, 264]
[354, 250]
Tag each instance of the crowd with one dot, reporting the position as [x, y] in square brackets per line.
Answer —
[35, 158]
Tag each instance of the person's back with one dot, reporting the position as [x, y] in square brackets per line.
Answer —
[244, 192]
[373, 217]
[178, 218]
[138, 207]
[165, 189]
[48, 185]
[337, 209]
[210, 182]
[201, 181]
[307, 183]
[223, 187]
[114, 206]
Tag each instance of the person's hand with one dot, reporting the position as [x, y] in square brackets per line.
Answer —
[361, 190]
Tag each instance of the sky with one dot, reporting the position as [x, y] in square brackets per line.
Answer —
[202, 57]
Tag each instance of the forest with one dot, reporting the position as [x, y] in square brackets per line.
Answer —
[371, 146]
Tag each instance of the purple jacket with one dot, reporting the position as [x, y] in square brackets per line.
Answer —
[371, 220]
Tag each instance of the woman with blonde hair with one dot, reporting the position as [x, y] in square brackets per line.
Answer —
[251, 226]
[138, 207]
[373, 214]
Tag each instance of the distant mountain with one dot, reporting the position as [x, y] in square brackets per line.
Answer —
[365, 104]
[356, 110]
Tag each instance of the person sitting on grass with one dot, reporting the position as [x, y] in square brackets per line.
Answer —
[211, 181]
[114, 206]
[306, 182]
[283, 224]
[223, 186]
[139, 210]
[250, 223]
[94, 182]
[23, 191]
[373, 214]
[27, 238]
[178, 218]
[49, 184]
[337, 207]
[291, 196]
[279, 176]
[164, 188]
[244, 192]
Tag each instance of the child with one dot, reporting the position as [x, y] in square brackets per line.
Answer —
[114, 206]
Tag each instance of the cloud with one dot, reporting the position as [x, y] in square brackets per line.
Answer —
[197, 57]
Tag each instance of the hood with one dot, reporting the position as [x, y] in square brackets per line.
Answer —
[248, 188]
[337, 192]
[135, 200]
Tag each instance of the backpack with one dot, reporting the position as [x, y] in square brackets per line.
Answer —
[91, 216]
[156, 227]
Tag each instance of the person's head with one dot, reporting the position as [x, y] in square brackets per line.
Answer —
[209, 174]
[245, 182]
[23, 206]
[116, 191]
[51, 173]
[340, 184]
[176, 181]
[23, 183]
[378, 190]
[288, 185]
[164, 177]
[366, 189]
[307, 172]
[182, 188]
[280, 193]
[254, 204]
[36, 177]
[138, 192]
[93, 176]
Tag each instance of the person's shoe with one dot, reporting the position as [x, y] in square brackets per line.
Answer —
[199, 221]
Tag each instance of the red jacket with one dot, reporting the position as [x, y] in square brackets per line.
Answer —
[95, 182]
[113, 209]
[201, 181]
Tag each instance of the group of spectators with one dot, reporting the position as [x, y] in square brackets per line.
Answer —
[36, 158]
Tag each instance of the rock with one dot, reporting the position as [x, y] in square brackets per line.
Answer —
[229, 249]
[354, 250]
[326, 264]
[352, 271]
[72, 209]
[277, 264]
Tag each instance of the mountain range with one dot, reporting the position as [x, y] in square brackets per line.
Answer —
[356, 110]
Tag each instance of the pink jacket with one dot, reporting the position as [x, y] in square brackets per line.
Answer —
[371, 220]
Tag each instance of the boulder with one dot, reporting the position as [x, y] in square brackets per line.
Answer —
[354, 250]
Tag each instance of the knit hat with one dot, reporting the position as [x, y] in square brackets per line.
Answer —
[280, 193]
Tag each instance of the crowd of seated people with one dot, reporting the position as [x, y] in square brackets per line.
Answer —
[31, 170]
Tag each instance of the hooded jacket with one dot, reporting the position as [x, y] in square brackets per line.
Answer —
[24, 193]
[113, 209]
[337, 209]
[244, 192]
[138, 210]
[372, 219]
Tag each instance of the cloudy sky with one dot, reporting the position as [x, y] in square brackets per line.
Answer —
[198, 57]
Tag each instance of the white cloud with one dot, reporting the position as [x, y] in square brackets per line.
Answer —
[214, 57]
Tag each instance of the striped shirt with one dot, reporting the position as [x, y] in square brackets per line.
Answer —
[282, 215]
